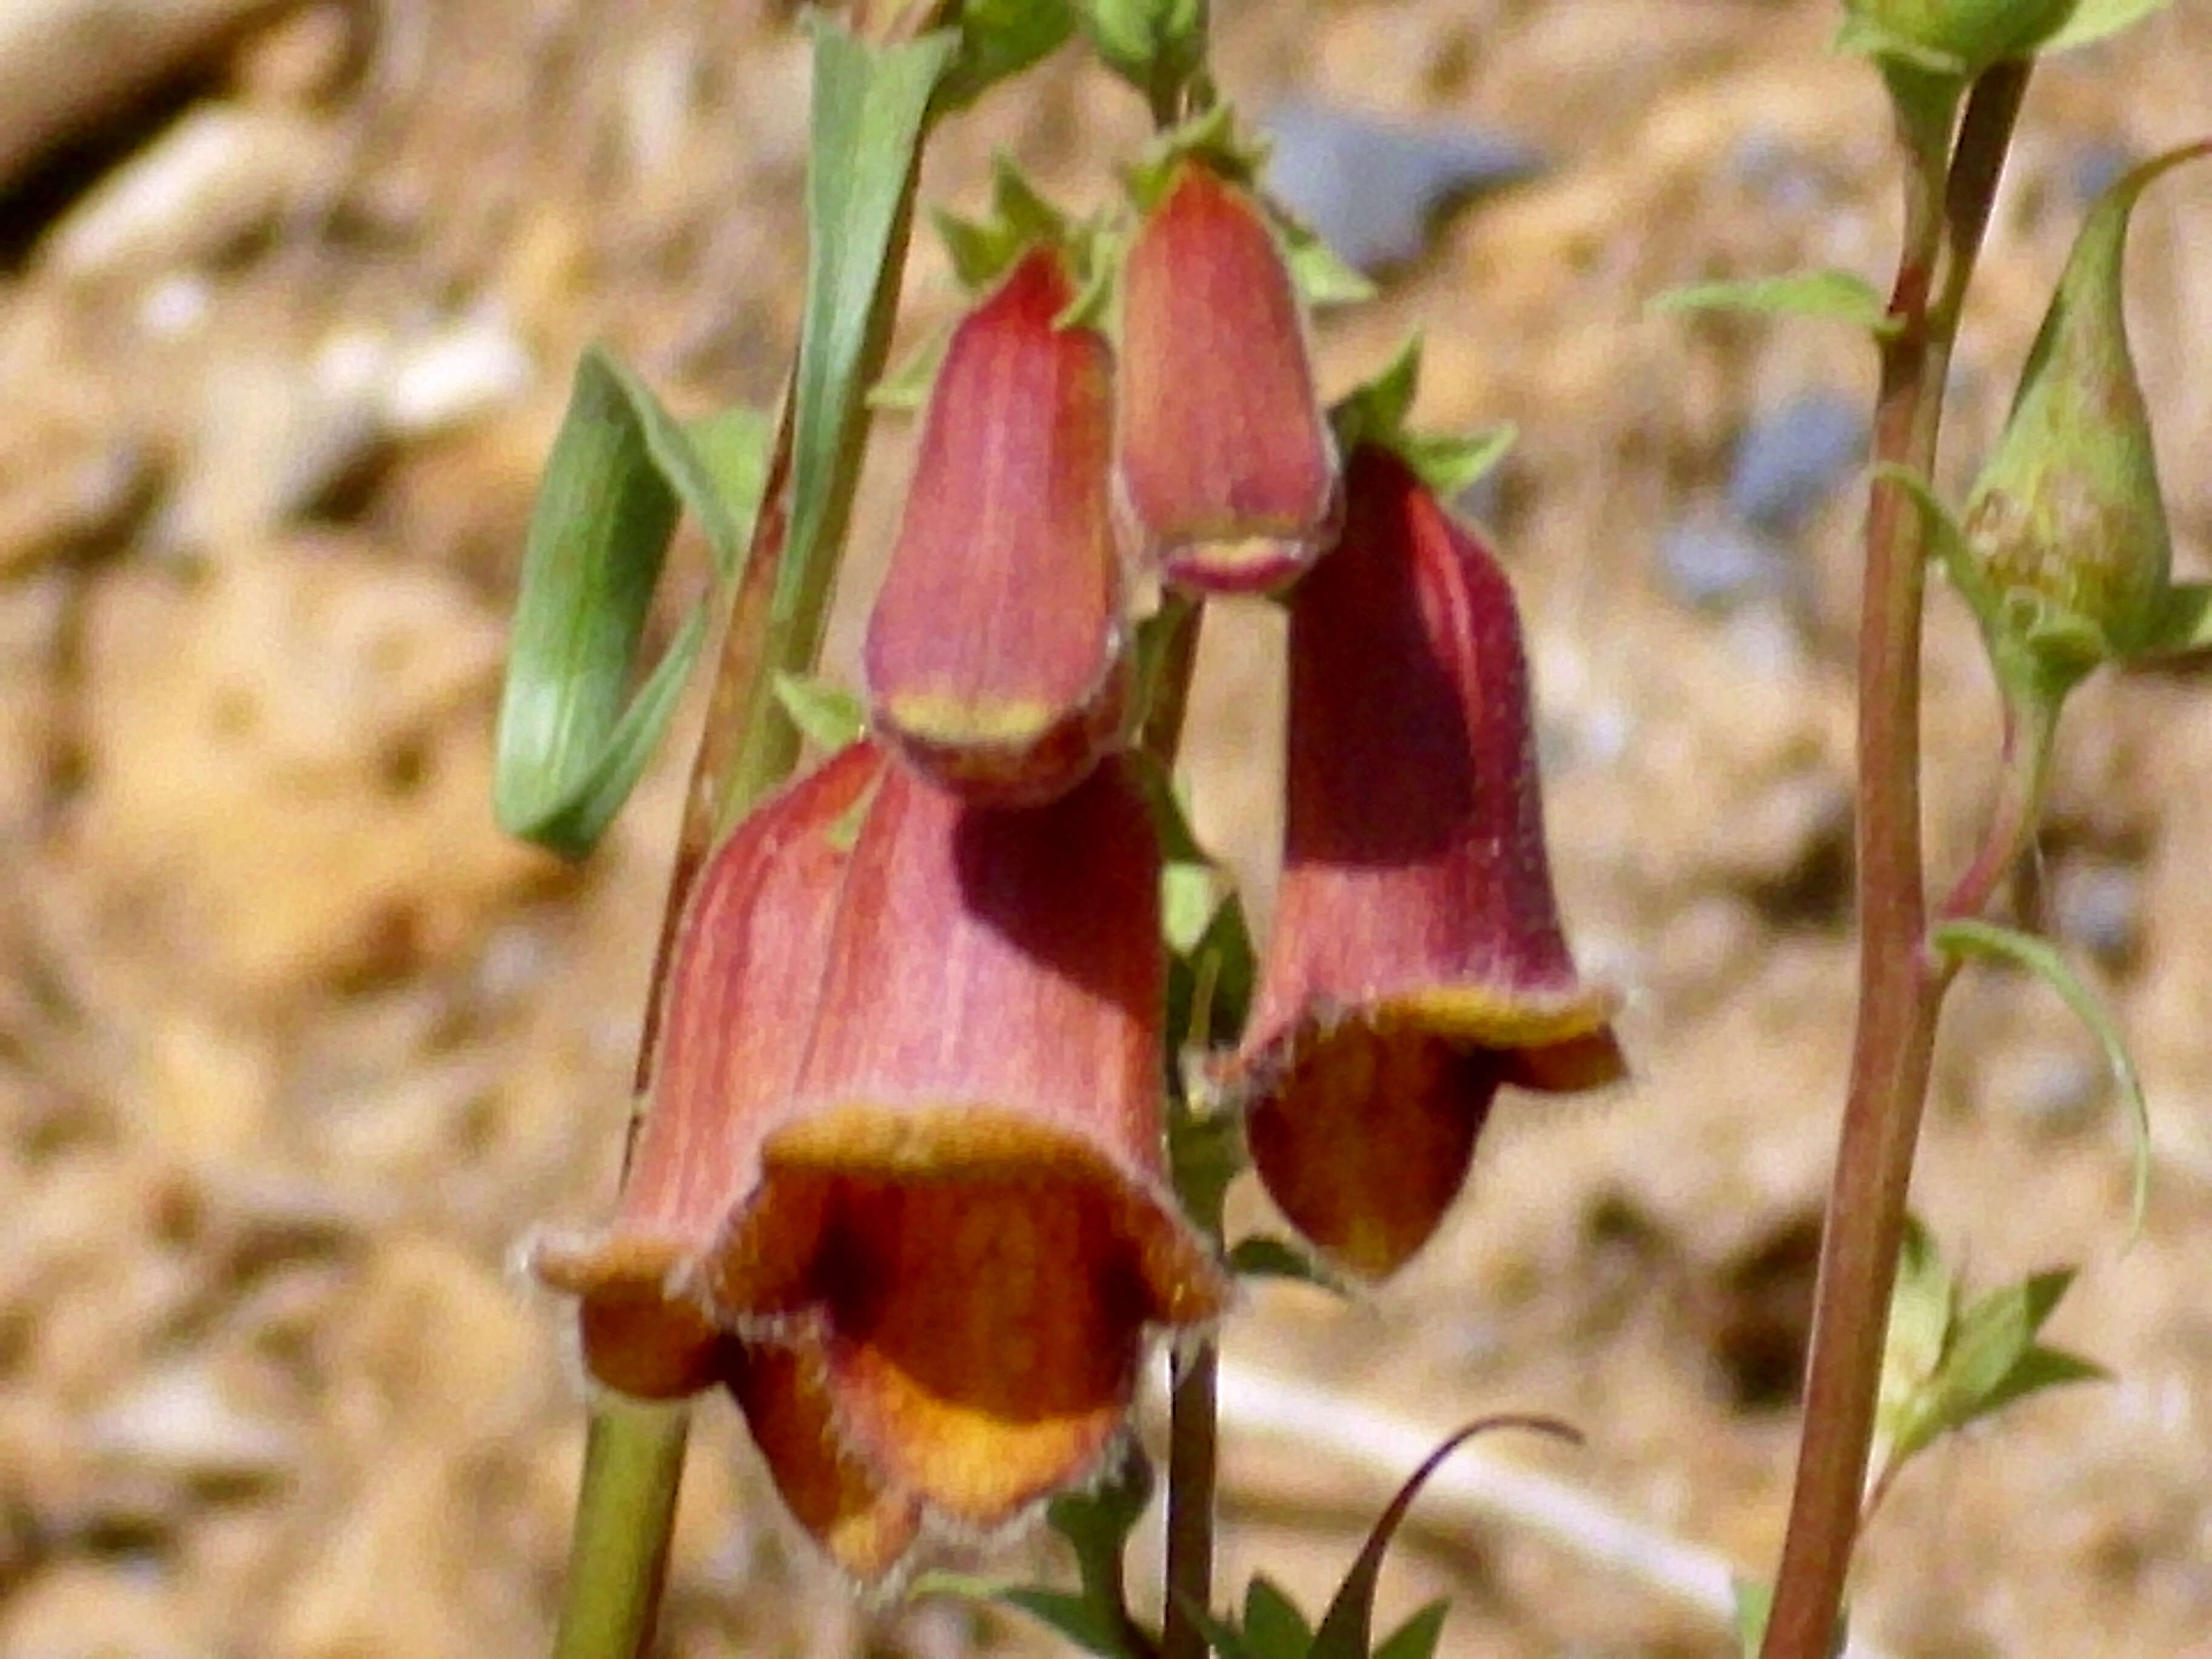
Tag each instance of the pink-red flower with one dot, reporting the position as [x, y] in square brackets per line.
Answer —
[995, 657]
[1227, 470]
[964, 1208]
[1417, 962]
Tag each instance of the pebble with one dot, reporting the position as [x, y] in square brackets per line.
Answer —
[1371, 188]
[1789, 459]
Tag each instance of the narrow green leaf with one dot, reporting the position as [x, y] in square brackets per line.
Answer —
[571, 743]
[1985, 940]
[1274, 1627]
[1345, 1628]
[827, 714]
[730, 449]
[2095, 19]
[1839, 295]
[1417, 1637]
[2042, 1368]
[870, 107]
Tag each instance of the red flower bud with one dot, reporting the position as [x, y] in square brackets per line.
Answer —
[1228, 471]
[1417, 960]
[966, 1205]
[741, 1004]
[995, 654]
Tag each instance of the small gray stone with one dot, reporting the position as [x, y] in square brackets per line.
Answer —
[1370, 187]
[1789, 459]
[1711, 561]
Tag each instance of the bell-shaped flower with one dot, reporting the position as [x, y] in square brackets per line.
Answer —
[995, 657]
[1417, 962]
[742, 992]
[1228, 473]
[966, 1206]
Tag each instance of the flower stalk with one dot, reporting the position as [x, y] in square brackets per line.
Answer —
[1901, 981]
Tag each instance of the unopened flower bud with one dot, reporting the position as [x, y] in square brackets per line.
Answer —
[2067, 524]
[1228, 472]
[995, 657]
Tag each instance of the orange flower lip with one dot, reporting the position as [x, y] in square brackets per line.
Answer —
[1417, 962]
[993, 657]
[1227, 470]
[966, 1197]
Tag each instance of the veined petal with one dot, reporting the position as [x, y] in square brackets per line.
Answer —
[1418, 960]
[1227, 470]
[969, 1191]
[994, 656]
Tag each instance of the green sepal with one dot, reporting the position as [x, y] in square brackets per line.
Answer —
[1317, 270]
[998, 39]
[1212, 138]
[2096, 19]
[1840, 296]
[1158, 47]
[1376, 413]
[1967, 939]
[573, 737]
[827, 715]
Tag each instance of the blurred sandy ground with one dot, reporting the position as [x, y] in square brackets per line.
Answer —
[294, 1047]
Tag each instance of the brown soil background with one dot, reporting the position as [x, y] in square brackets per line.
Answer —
[294, 1047]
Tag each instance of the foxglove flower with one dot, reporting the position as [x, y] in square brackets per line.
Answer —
[965, 1208]
[995, 657]
[743, 987]
[1228, 474]
[1417, 962]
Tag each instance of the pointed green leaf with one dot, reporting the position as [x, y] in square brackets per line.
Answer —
[999, 38]
[827, 714]
[1994, 1358]
[1346, 1629]
[1839, 295]
[1985, 940]
[1417, 1637]
[572, 740]
[2095, 19]
[1263, 1256]
[1274, 1627]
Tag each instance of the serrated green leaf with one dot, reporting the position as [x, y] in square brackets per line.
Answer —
[1260, 1255]
[2095, 19]
[572, 740]
[1992, 942]
[1346, 1629]
[1418, 1636]
[999, 38]
[826, 714]
[1274, 1627]
[1839, 295]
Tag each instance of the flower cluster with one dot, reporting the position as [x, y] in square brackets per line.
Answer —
[900, 1184]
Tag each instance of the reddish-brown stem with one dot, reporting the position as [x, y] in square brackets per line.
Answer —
[1901, 984]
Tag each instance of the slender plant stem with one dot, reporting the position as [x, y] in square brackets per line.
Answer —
[1194, 1450]
[633, 1454]
[1900, 984]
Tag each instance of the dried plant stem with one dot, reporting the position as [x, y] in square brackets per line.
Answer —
[1900, 981]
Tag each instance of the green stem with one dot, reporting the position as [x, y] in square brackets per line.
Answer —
[1901, 985]
[634, 1455]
